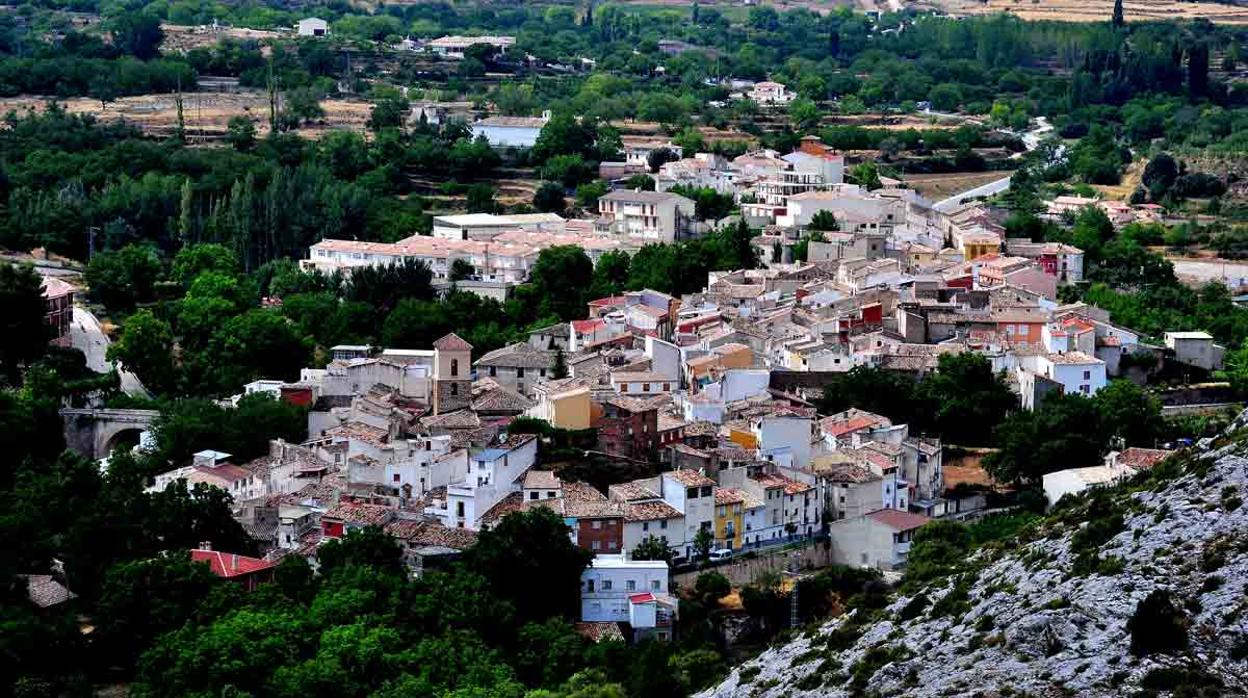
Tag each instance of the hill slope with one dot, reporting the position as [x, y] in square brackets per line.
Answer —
[1048, 614]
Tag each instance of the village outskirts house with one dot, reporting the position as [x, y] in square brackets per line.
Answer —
[634, 593]
[651, 216]
[517, 366]
[880, 539]
[312, 26]
[519, 132]
[58, 309]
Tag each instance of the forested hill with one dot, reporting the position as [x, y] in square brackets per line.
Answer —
[1147, 595]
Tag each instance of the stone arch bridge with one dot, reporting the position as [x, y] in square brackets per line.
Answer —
[96, 432]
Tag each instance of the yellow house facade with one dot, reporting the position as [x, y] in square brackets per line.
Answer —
[729, 524]
[570, 409]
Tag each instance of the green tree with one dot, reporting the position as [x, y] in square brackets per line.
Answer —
[193, 260]
[559, 370]
[965, 398]
[461, 269]
[559, 280]
[1066, 431]
[145, 348]
[125, 277]
[804, 114]
[25, 334]
[703, 542]
[549, 198]
[480, 199]
[710, 587]
[653, 547]
[260, 343]
[824, 220]
[526, 553]
[366, 547]
[1158, 626]
[144, 599]
[1130, 414]
[866, 175]
[241, 133]
[138, 34]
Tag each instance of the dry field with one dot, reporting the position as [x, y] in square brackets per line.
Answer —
[206, 114]
[941, 186]
[180, 37]
[1100, 10]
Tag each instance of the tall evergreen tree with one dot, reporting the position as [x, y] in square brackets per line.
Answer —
[1119, 20]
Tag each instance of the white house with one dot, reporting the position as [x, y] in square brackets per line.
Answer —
[653, 216]
[487, 226]
[783, 438]
[768, 93]
[1075, 370]
[312, 26]
[510, 131]
[454, 46]
[1195, 349]
[615, 589]
[881, 539]
[493, 474]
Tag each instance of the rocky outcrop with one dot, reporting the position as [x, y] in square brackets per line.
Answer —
[1048, 614]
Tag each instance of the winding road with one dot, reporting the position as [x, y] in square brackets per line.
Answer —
[1031, 140]
[86, 335]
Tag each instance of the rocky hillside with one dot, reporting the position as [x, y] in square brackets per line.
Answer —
[1051, 613]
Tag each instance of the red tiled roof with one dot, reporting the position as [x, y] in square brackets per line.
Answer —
[650, 511]
[1140, 458]
[838, 429]
[644, 597]
[728, 495]
[452, 342]
[899, 520]
[583, 326]
[227, 565]
[690, 478]
[360, 513]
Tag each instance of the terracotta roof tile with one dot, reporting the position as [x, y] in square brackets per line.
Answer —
[898, 520]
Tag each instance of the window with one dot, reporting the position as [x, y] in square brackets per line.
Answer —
[596, 525]
[543, 372]
[595, 545]
[606, 585]
[396, 477]
[691, 493]
[663, 524]
[520, 372]
[645, 525]
[706, 491]
[454, 367]
[630, 585]
[493, 371]
[459, 508]
[454, 388]
[645, 387]
[589, 586]
[532, 495]
[1087, 375]
[667, 387]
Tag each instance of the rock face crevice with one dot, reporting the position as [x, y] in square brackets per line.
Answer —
[1048, 614]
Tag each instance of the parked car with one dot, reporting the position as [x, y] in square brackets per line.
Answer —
[721, 555]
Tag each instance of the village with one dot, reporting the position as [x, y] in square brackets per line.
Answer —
[717, 390]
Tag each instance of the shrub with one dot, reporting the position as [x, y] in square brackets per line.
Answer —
[1158, 626]
[914, 608]
[1212, 583]
[748, 673]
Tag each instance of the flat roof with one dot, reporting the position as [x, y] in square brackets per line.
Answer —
[618, 562]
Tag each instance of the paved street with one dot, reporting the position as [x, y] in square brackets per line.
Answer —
[87, 335]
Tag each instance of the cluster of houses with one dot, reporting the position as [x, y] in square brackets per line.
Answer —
[712, 391]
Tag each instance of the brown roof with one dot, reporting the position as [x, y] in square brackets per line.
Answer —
[582, 492]
[650, 511]
[44, 591]
[512, 503]
[689, 478]
[898, 520]
[541, 480]
[728, 495]
[1140, 458]
[598, 632]
[632, 492]
[360, 513]
[452, 342]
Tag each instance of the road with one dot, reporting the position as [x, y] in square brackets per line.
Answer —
[1201, 271]
[1031, 140]
[86, 335]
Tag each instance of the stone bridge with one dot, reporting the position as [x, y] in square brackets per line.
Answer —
[95, 433]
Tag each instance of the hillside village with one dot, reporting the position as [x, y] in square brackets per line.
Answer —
[633, 349]
[719, 387]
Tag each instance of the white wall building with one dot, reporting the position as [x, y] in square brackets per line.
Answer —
[652, 216]
[510, 131]
[312, 26]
